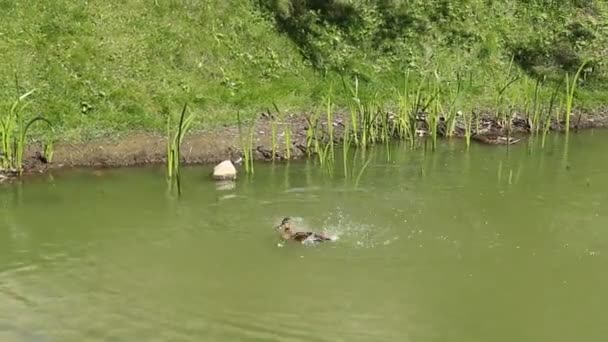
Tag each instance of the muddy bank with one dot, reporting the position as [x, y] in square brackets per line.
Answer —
[220, 144]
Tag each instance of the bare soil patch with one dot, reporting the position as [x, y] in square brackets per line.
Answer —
[220, 144]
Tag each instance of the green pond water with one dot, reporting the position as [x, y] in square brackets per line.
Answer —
[485, 245]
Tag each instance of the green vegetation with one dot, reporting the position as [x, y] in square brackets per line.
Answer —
[570, 88]
[14, 127]
[286, 133]
[246, 143]
[174, 141]
[104, 67]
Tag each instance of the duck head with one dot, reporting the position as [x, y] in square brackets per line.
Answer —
[285, 227]
[285, 224]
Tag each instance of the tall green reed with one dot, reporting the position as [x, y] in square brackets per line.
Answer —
[404, 121]
[287, 134]
[13, 134]
[468, 117]
[534, 120]
[434, 112]
[320, 141]
[355, 107]
[570, 89]
[500, 111]
[273, 129]
[452, 112]
[246, 143]
[330, 126]
[363, 167]
[369, 125]
[345, 149]
[175, 136]
[549, 114]
[283, 121]
[48, 151]
[510, 79]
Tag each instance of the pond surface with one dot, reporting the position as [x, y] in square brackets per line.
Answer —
[485, 245]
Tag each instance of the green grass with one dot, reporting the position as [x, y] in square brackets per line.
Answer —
[107, 67]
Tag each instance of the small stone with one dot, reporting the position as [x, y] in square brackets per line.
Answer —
[224, 171]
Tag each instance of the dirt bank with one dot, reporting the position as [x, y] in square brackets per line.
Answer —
[220, 144]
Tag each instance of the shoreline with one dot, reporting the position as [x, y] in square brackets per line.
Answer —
[214, 146]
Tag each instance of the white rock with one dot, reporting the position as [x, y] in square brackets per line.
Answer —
[224, 171]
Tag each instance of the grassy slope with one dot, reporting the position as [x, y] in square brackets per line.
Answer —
[112, 66]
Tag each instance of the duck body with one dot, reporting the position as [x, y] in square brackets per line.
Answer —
[309, 237]
[288, 233]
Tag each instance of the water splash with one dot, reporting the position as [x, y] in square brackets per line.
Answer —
[340, 227]
[359, 234]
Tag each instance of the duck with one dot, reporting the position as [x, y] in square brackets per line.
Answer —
[494, 139]
[288, 233]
